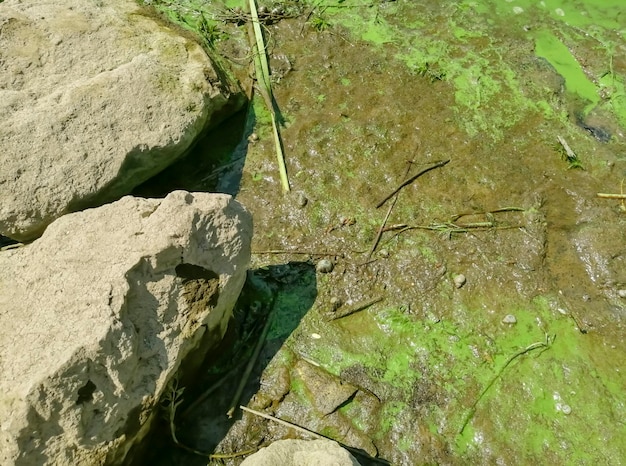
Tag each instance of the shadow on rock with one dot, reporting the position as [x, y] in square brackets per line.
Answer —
[215, 164]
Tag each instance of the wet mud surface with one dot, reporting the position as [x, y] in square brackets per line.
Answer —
[487, 324]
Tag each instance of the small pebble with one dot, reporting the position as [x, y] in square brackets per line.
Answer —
[324, 266]
[566, 409]
[277, 11]
[253, 137]
[316, 336]
[383, 253]
[459, 280]
[335, 303]
[302, 200]
[621, 293]
[509, 319]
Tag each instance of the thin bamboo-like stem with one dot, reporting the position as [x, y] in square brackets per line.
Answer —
[265, 88]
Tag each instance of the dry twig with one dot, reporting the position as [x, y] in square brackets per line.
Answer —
[251, 363]
[306, 431]
[411, 180]
[543, 345]
[356, 308]
[382, 226]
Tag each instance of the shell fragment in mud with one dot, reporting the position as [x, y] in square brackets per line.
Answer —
[459, 280]
[324, 266]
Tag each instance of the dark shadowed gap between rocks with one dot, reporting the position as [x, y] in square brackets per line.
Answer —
[283, 293]
[214, 164]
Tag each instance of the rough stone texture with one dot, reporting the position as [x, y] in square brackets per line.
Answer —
[328, 392]
[95, 98]
[97, 315]
[302, 453]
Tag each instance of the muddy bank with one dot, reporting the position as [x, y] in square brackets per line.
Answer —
[512, 366]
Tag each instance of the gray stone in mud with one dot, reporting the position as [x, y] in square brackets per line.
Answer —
[302, 453]
[327, 391]
[97, 315]
[95, 98]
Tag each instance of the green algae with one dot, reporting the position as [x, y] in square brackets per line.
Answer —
[575, 20]
[580, 13]
[389, 414]
[441, 54]
[548, 46]
[551, 396]
[198, 16]
[487, 85]
[556, 396]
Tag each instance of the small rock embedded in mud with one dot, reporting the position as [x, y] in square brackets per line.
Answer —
[459, 280]
[509, 319]
[621, 293]
[335, 303]
[324, 266]
[383, 253]
[301, 200]
[253, 137]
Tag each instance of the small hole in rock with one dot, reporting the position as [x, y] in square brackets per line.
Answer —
[85, 393]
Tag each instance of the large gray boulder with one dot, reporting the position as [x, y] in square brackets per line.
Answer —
[98, 314]
[95, 98]
[302, 453]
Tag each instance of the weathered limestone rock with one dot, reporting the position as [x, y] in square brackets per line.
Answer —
[302, 453]
[95, 98]
[97, 315]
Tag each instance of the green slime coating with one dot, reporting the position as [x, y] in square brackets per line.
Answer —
[550, 47]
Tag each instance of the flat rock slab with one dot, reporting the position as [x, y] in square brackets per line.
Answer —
[328, 392]
[97, 315]
[95, 98]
